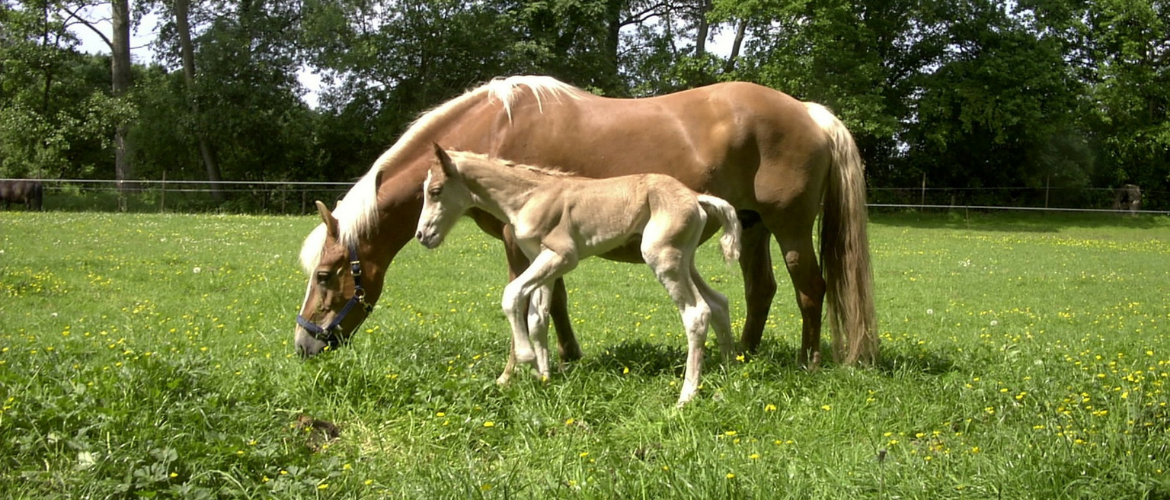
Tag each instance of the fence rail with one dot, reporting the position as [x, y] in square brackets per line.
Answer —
[293, 197]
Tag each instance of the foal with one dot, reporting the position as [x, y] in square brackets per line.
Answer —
[560, 219]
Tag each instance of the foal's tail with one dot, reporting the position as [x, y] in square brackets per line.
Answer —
[722, 210]
[845, 247]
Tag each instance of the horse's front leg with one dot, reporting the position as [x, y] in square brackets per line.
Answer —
[759, 283]
[567, 345]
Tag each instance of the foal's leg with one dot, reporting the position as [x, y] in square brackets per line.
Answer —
[538, 306]
[672, 268]
[567, 345]
[546, 266]
[720, 317]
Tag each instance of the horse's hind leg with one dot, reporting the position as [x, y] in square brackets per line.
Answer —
[759, 283]
[797, 246]
[720, 316]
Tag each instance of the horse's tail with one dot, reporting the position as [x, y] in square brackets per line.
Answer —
[845, 247]
[722, 210]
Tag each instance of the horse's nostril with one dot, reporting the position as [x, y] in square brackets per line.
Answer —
[418, 235]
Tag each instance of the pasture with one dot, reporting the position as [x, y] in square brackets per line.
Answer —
[150, 356]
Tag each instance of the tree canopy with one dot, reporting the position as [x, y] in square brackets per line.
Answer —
[959, 93]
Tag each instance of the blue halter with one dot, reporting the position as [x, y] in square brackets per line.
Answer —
[328, 333]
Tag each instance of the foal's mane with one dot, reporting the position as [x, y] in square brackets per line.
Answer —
[511, 164]
[357, 212]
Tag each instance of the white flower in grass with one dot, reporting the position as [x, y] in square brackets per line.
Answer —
[994, 322]
[197, 270]
[930, 312]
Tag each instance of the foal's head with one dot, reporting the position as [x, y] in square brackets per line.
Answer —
[445, 199]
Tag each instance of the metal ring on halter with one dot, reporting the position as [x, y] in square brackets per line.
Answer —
[328, 334]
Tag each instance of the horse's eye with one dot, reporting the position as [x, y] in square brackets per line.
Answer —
[436, 192]
[323, 276]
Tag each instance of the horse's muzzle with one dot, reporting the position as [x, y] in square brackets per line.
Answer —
[307, 345]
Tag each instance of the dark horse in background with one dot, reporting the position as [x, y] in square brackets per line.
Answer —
[779, 161]
[30, 193]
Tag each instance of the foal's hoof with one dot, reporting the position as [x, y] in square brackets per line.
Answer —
[525, 356]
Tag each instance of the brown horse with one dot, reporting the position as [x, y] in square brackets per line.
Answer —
[560, 219]
[30, 193]
[780, 162]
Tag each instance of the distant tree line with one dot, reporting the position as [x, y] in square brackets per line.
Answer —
[960, 93]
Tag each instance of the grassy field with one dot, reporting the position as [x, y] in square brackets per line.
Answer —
[1024, 356]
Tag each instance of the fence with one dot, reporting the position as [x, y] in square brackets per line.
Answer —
[280, 197]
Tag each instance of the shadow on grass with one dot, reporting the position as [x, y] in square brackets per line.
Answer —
[639, 356]
[777, 359]
[1022, 222]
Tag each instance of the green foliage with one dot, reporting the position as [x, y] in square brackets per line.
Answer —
[968, 94]
[56, 116]
[150, 356]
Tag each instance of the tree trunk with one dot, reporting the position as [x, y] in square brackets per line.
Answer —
[120, 69]
[613, 14]
[182, 25]
[740, 31]
[703, 29]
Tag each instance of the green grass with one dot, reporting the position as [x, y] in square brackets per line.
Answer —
[1024, 356]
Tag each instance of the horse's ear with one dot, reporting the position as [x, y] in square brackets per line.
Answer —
[328, 219]
[445, 160]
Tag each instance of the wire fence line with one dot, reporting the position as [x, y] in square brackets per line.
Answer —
[299, 196]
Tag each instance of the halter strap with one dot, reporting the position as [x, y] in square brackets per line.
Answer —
[329, 333]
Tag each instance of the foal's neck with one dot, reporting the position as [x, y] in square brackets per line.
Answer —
[502, 190]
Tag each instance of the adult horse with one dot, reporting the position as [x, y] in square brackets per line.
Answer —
[29, 192]
[780, 162]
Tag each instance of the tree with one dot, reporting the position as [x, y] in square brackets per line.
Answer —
[56, 117]
[120, 69]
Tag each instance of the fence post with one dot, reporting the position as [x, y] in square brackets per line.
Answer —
[1047, 187]
[162, 200]
[922, 200]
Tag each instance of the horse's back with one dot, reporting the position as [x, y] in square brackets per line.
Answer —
[717, 139]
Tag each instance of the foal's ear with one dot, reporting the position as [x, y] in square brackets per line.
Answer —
[445, 160]
[328, 219]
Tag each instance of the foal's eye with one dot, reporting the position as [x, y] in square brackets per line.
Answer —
[323, 276]
[436, 192]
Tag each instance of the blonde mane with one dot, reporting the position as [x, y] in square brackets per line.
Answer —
[511, 164]
[357, 212]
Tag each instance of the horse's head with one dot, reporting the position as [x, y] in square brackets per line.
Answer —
[335, 300]
[445, 199]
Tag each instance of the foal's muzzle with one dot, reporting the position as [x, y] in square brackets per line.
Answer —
[429, 239]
